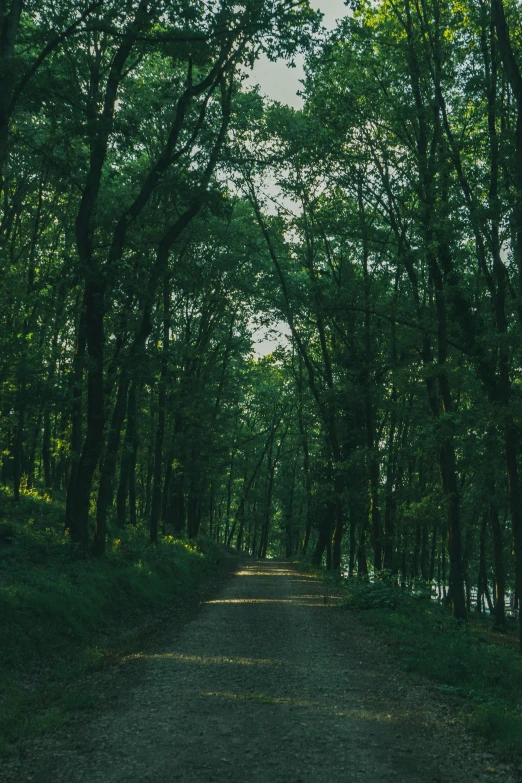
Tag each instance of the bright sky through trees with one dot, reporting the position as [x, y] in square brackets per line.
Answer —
[280, 82]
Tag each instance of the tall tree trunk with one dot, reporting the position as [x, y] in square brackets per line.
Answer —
[338, 524]
[389, 506]
[177, 503]
[9, 22]
[166, 491]
[353, 527]
[76, 411]
[127, 460]
[362, 561]
[108, 469]
[147, 486]
[482, 577]
[211, 509]
[46, 449]
[514, 76]
[100, 126]
[268, 505]
[241, 519]
[498, 558]
[93, 443]
[46, 436]
[193, 502]
[289, 534]
[18, 441]
[320, 547]
[306, 471]
[373, 457]
[428, 150]
[416, 550]
[160, 431]
[230, 481]
[434, 534]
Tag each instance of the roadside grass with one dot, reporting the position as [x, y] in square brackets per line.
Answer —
[480, 668]
[61, 616]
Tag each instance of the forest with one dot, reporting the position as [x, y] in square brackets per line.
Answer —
[159, 215]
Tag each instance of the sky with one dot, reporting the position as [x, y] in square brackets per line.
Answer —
[281, 83]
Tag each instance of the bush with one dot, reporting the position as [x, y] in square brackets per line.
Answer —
[377, 594]
[498, 725]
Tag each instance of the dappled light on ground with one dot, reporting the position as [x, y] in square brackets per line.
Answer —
[297, 600]
[272, 572]
[318, 706]
[204, 659]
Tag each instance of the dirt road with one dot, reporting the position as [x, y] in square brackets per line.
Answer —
[267, 683]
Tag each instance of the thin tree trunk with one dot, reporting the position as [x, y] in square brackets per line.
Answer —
[482, 577]
[353, 527]
[434, 534]
[76, 411]
[498, 558]
[127, 460]
[339, 523]
[160, 431]
[93, 443]
[108, 469]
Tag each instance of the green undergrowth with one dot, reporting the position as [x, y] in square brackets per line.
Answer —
[61, 615]
[481, 669]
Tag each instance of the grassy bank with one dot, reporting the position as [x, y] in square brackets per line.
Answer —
[481, 669]
[61, 616]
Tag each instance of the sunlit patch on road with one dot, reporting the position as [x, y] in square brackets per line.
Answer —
[316, 705]
[206, 659]
[266, 572]
[297, 601]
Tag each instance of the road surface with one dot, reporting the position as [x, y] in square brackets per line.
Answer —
[270, 682]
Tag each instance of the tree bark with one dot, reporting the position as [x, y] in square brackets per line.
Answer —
[127, 460]
[160, 431]
[108, 469]
[76, 411]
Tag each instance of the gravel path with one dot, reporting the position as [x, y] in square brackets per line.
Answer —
[268, 683]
